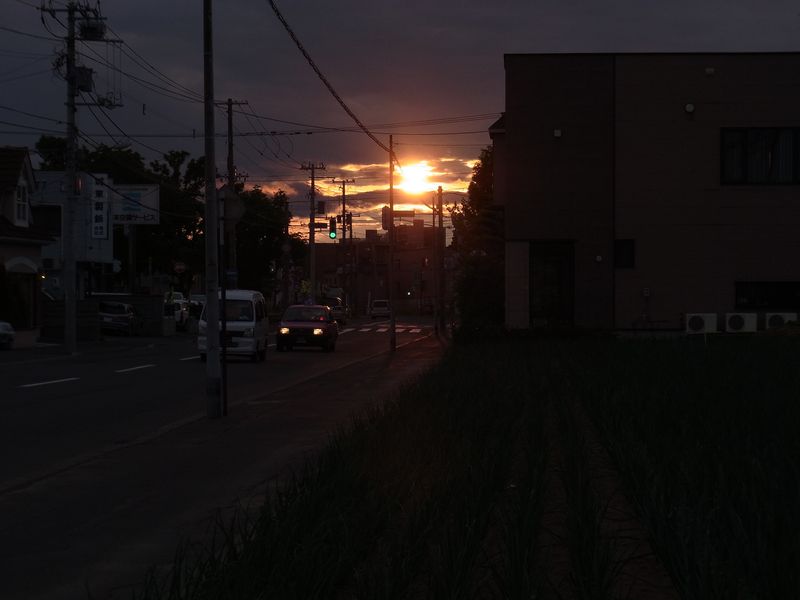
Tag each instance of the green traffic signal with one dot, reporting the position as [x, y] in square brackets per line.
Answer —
[332, 228]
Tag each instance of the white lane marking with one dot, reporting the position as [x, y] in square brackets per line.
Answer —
[414, 330]
[133, 368]
[383, 330]
[346, 330]
[195, 357]
[366, 329]
[29, 385]
[399, 330]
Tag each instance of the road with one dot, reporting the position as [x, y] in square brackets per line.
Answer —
[109, 460]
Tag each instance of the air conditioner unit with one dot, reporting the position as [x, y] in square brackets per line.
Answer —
[741, 322]
[701, 323]
[776, 320]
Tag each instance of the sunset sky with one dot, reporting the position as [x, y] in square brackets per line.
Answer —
[429, 73]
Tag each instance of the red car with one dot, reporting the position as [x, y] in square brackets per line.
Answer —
[307, 325]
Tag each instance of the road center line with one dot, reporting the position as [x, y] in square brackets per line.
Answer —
[134, 368]
[29, 385]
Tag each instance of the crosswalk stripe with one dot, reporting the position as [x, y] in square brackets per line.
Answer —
[366, 329]
[346, 330]
[414, 330]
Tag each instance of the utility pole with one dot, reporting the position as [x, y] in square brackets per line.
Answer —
[312, 257]
[389, 277]
[68, 220]
[344, 183]
[435, 265]
[347, 276]
[213, 397]
[440, 246]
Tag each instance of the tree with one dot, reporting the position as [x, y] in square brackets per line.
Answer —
[261, 233]
[480, 248]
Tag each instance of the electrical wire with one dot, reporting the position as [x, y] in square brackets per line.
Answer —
[30, 35]
[325, 81]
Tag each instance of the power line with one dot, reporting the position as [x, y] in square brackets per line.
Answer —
[30, 35]
[324, 80]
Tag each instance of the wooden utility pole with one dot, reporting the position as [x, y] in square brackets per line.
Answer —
[348, 277]
[389, 276]
[440, 246]
[344, 183]
[312, 255]
[68, 219]
[213, 381]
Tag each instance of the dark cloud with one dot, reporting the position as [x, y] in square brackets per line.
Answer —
[391, 61]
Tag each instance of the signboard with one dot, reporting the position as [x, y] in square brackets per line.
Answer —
[136, 205]
[99, 215]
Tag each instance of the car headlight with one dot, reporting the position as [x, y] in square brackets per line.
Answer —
[318, 332]
[248, 332]
[284, 331]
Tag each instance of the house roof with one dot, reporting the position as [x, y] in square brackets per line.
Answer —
[14, 161]
[498, 126]
[10, 233]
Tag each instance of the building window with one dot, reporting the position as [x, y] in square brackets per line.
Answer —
[624, 254]
[21, 212]
[759, 155]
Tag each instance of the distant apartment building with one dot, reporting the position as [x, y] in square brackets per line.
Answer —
[639, 188]
[360, 268]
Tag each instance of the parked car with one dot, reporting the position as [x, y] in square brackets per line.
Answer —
[379, 309]
[7, 335]
[119, 317]
[307, 325]
[341, 312]
[176, 305]
[245, 313]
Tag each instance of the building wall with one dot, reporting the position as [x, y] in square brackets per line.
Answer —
[696, 237]
[558, 145]
[601, 147]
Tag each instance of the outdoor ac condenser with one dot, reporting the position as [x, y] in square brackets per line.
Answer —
[701, 323]
[775, 320]
[741, 322]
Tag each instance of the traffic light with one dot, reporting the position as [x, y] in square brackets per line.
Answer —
[349, 219]
[332, 228]
[386, 218]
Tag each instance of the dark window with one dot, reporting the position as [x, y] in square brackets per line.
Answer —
[625, 254]
[768, 295]
[759, 155]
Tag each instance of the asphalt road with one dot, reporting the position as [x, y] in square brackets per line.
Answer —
[109, 459]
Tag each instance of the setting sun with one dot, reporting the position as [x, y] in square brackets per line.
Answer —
[415, 178]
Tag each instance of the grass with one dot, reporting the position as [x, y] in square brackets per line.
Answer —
[439, 493]
[706, 439]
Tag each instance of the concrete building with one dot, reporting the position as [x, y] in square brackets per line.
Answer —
[639, 188]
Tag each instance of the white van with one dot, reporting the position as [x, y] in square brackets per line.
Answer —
[245, 313]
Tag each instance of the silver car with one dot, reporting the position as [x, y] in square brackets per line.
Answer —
[379, 309]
